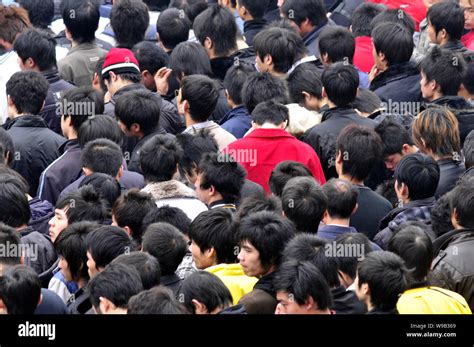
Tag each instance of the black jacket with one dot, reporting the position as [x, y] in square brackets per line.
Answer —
[322, 137]
[252, 28]
[272, 12]
[346, 302]
[458, 47]
[450, 172]
[36, 147]
[220, 65]
[399, 83]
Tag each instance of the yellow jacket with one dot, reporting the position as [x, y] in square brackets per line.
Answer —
[432, 300]
[234, 279]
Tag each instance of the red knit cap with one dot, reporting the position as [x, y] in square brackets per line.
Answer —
[120, 60]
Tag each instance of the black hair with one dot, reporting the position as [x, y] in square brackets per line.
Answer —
[20, 290]
[107, 243]
[341, 197]
[194, 148]
[441, 215]
[40, 13]
[102, 156]
[37, 45]
[338, 43]
[468, 78]
[462, 201]
[270, 112]
[394, 136]
[86, 102]
[202, 94]
[283, 172]
[81, 18]
[28, 91]
[366, 101]
[173, 27]
[150, 56]
[305, 78]
[83, 204]
[258, 203]
[159, 157]
[8, 149]
[8, 175]
[192, 8]
[129, 20]
[361, 150]
[260, 87]
[117, 283]
[395, 16]
[147, 266]
[362, 17]
[167, 214]
[468, 150]
[268, 233]
[420, 173]
[98, 72]
[395, 41]
[190, 58]
[9, 237]
[256, 9]
[235, 79]
[99, 127]
[13, 204]
[348, 265]
[206, 288]
[447, 15]
[341, 82]
[106, 186]
[157, 5]
[300, 10]
[158, 300]
[167, 244]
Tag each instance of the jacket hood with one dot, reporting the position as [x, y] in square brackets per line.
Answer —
[169, 190]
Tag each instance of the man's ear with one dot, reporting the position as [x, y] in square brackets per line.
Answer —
[210, 253]
[212, 191]
[310, 304]
[325, 58]
[199, 308]
[323, 93]
[105, 305]
[120, 172]
[268, 60]
[128, 230]
[355, 209]
[135, 128]
[339, 158]
[40, 299]
[364, 287]
[10, 101]
[208, 44]
[87, 171]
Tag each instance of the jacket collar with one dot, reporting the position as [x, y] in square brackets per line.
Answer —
[70, 145]
[26, 121]
[455, 46]
[239, 111]
[169, 190]
[254, 24]
[343, 111]
[313, 34]
[453, 101]
[394, 72]
[52, 76]
[268, 133]
[445, 240]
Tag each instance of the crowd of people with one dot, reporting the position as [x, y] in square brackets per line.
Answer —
[236, 157]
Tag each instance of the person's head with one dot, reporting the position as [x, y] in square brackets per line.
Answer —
[159, 158]
[129, 20]
[104, 244]
[157, 5]
[358, 150]
[442, 73]
[441, 215]
[20, 290]
[81, 18]
[189, 58]
[147, 266]
[83, 204]
[216, 30]
[106, 186]
[414, 246]
[381, 279]
[283, 172]
[362, 17]
[262, 237]
[14, 207]
[260, 87]
[248, 9]
[270, 114]
[97, 80]
[168, 214]
[36, 50]
[467, 87]
[301, 289]
[395, 16]
[13, 21]
[150, 59]
[167, 244]
[213, 239]
[191, 8]
[40, 13]
[445, 22]
[436, 133]
[467, 6]
[340, 84]
[120, 69]
[99, 127]
[9, 237]
[336, 44]
[172, 28]
[157, 300]
[304, 14]
[397, 142]
[103, 156]
[234, 82]
[276, 50]
[258, 203]
[111, 289]
[71, 248]
[304, 203]
[26, 93]
[366, 103]
[393, 44]
[220, 177]
[197, 99]
[341, 199]
[7, 149]
[416, 177]
[129, 211]
[468, 150]
[204, 293]
[462, 204]
[305, 87]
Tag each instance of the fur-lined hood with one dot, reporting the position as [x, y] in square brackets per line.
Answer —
[169, 190]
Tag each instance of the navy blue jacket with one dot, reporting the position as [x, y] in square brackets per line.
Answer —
[311, 40]
[252, 28]
[237, 121]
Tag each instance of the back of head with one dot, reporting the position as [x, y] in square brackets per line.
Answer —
[306, 78]
[85, 21]
[99, 127]
[146, 265]
[190, 58]
[107, 243]
[441, 215]
[28, 91]
[38, 46]
[194, 148]
[300, 10]
[270, 112]
[20, 290]
[256, 9]
[366, 102]
[78, 104]
[235, 79]
[394, 136]
[129, 20]
[261, 87]
[168, 214]
[173, 27]
[462, 203]
[192, 8]
[448, 16]
[9, 237]
[393, 40]
[14, 207]
[106, 186]
[340, 81]
[103, 156]
[13, 21]
[353, 241]
[150, 56]
[84, 204]
[395, 16]
[202, 94]
[158, 300]
[362, 17]
[468, 78]
[258, 203]
[338, 44]
[341, 197]
[157, 5]
[283, 172]
[7, 148]
[40, 13]
[468, 150]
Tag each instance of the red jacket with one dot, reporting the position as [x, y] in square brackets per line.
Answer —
[468, 40]
[263, 149]
[363, 57]
[415, 8]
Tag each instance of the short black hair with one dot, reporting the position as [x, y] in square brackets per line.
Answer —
[37, 45]
[173, 27]
[258, 203]
[362, 17]
[393, 40]
[7, 148]
[108, 188]
[192, 8]
[386, 275]
[281, 44]
[307, 247]
[8, 175]
[99, 127]
[299, 10]
[302, 279]
[214, 229]
[158, 300]
[420, 173]
[367, 101]
[83, 204]
[20, 289]
[159, 157]
[304, 203]
[140, 107]
[14, 205]
[167, 244]
[341, 197]
[305, 78]
[168, 214]
[348, 265]
[270, 112]
[150, 56]
[206, 288]
[394, 136]
[157, 5]
[194, 148]
[340, 81]
[268, 232]
[102, 156]
[81, 18]
[86, 102]
[462, 201]
[447, 15]
[468, 150]
[338, 43]
[190, 58]
[283, 172]
[147, 266]
[218, 24]
[28, 91]
[446, 68]
[131, 208]
[441, 215]
[395, 16]
[9, 237]
[71, 245]
[129, 20]
[468, 78]
[107, 243]
[40, 13]
[202, 94]
[117, 283]
[260, 87]
[361, 149]
[256, 9]
[235, 79]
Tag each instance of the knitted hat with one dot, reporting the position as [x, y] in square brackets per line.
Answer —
[120, 60]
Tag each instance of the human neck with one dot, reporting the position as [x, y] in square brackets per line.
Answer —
[190, 121]
[213, 199]
[351, 179]
[337, 221]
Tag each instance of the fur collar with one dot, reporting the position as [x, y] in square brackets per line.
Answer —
[169, 190]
